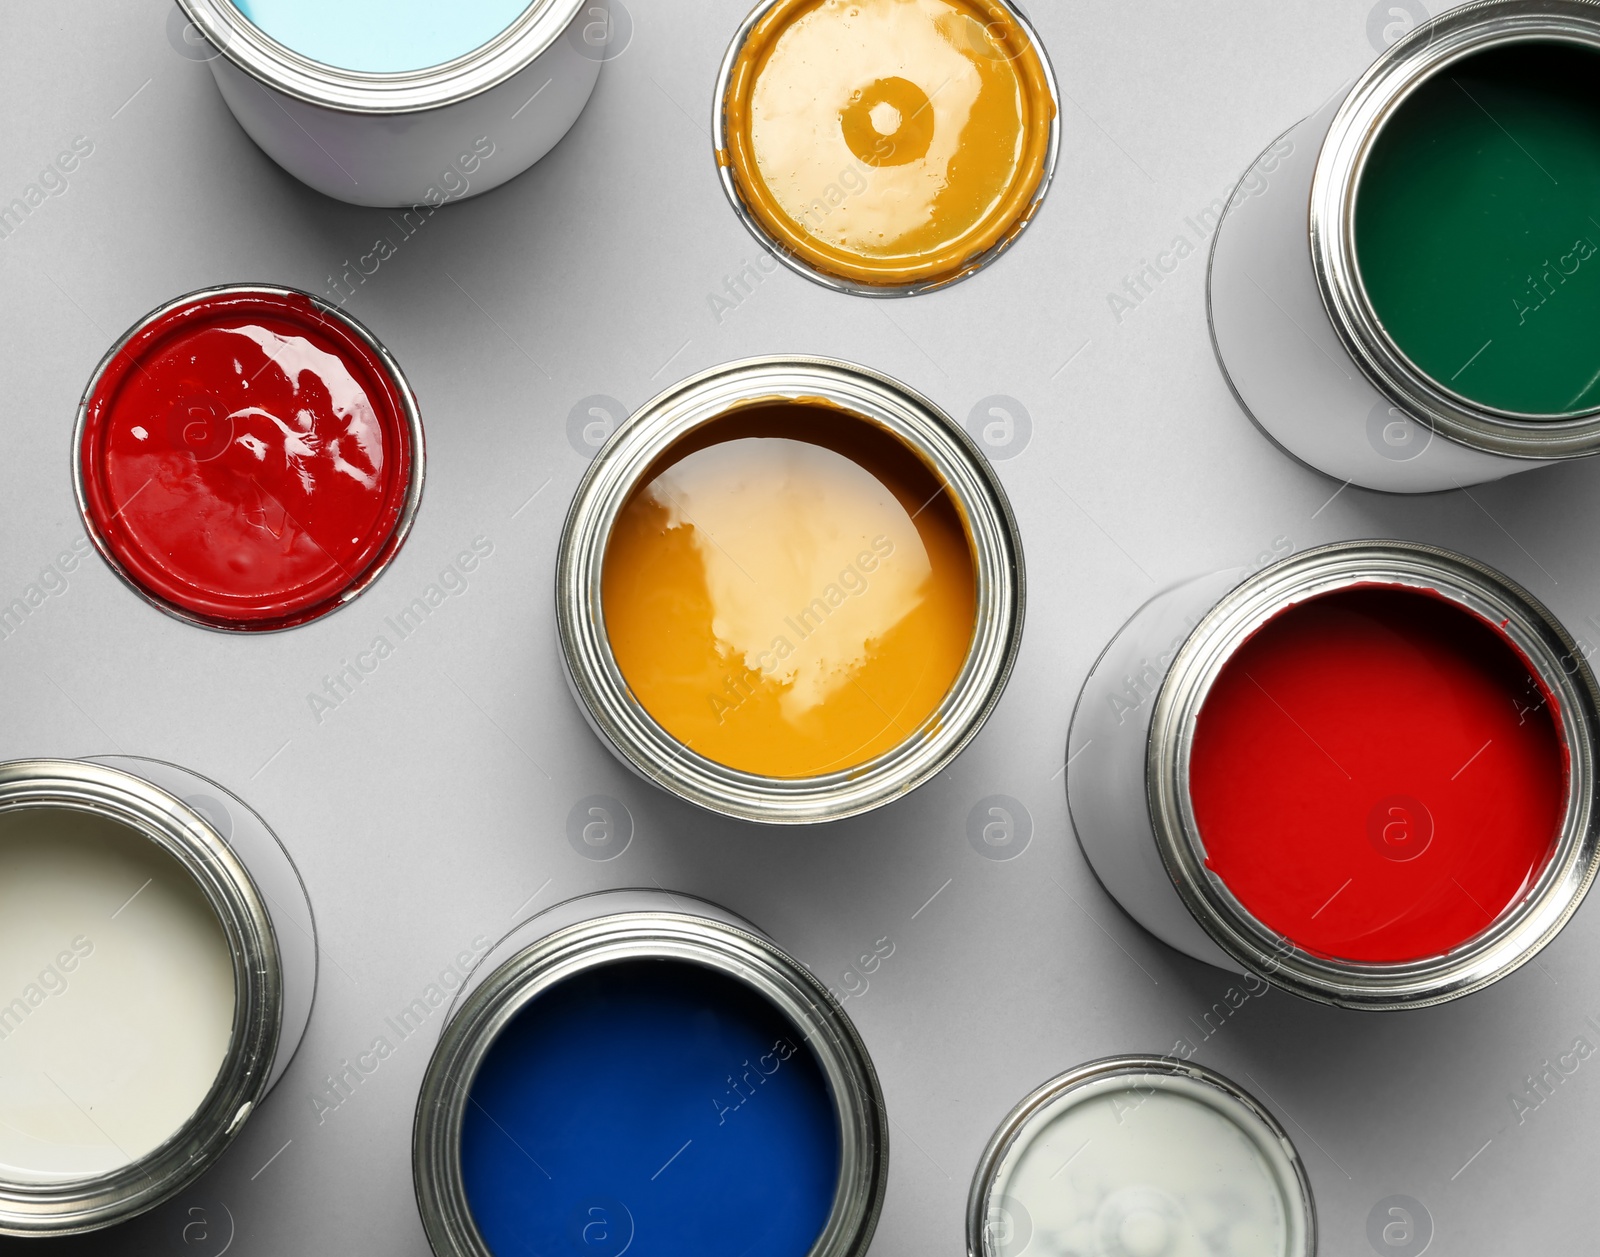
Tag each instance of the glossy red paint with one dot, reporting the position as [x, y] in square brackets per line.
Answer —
[1377, 775]
[247, 459]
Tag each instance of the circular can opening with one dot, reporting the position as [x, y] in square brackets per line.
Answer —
[248, 458]
[1378, 774]
[714, 1131]
[383, 36]
[1141, 1157]
[885, 145]
[1369, 774]
[1477, 227]
[790, 590]
[624, 1073]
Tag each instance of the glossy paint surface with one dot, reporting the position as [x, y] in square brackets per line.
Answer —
[1478, 228]
[1377, 776]
[888, 141]
[650, 1106]
[790, 592]
[246, 460]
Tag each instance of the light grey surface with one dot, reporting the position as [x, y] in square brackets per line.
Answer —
[432, 805]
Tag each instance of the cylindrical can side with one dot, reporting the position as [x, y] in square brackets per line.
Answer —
[1280, 356]
[1106, 764]
[410, 141]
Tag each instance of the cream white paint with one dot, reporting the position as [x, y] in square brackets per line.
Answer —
[116, 995]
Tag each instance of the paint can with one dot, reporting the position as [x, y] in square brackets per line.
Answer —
[178, 924]
[643, 1063]
[1183, 1160]
[1401, 401]
[412, 136]
[248, 457]
[772, 669]
[1264, 773]
[886, 165]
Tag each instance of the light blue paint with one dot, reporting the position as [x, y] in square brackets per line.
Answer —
[383, 36]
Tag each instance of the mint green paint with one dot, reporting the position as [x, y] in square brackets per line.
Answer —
[1478, 228]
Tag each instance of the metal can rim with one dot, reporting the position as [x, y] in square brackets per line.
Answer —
[739, 954]
[89, 1204]
[411, 417]
[596, 679]
[1377, 94]
[801, 267]
[279, 67]
[1037, 1100]
[1522, 929]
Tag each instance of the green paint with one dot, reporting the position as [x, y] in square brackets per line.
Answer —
[1478, 228]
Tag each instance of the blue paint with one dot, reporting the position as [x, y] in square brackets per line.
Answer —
[675, 1112]
[383, 36]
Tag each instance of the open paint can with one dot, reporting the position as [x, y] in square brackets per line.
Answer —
[157, 968]
[789, 590]
[643, 1071]
[1365, 773]
[1429, 324]
[883, 148]
[1140, 1157]
[410, 104]
[248, 457]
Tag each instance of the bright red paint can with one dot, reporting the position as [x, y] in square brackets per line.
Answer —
[1365, 773]
[248, 457]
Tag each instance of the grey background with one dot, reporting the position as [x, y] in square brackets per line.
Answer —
[432, 806]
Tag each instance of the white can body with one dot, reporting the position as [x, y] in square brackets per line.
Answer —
[1106, 764]
[1285, 362]
[420, 138]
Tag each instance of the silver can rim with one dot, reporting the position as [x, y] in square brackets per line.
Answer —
[1521, 930]
[730, 187]
[1376, 96]
[411, 416]
[76, 1206]
[648, 935]
[1020, 1118]
[279, 67]
[597, 680]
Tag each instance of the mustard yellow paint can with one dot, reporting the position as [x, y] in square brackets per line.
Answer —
[886, 147]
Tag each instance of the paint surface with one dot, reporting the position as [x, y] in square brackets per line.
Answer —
[652, 1107]
[1146, 1166]
[116, 996]
[247, 460]
[888, 141]
[1377, 776]
[382, 36]
[791, 591]
[1478, 229]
